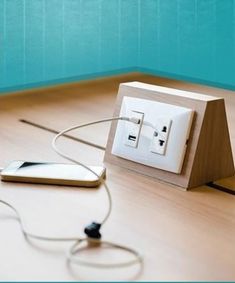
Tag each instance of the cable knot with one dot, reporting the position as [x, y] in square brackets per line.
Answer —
[93, 230]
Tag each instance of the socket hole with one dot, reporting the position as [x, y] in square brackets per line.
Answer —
[164, 129]
[161, 142]
[155, 134]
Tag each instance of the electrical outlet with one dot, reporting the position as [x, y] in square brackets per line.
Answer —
[160, 136]
[132, 131]
[164, 150]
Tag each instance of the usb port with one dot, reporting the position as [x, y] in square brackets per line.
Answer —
[131, 138]
[132, 129]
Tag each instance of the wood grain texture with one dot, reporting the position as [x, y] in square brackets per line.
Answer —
[182, 235]
[213, 158]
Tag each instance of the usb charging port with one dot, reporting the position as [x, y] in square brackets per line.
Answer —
[132, 138]
[133, 128]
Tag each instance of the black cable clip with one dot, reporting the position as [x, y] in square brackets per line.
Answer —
[93, 230]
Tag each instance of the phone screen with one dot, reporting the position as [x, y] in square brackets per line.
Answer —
[52, 171]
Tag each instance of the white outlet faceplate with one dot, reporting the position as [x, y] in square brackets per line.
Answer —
[176, 122]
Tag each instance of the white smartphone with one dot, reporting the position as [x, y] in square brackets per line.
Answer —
[52, 173]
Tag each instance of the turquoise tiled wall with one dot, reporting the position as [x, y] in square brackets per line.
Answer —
[48, 41]
[45, 41]
[192, 39]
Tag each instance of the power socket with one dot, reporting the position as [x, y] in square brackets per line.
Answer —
[183, 162]
[160, 136]
[160, 141]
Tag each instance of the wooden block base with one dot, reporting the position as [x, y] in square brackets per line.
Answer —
[209, 155]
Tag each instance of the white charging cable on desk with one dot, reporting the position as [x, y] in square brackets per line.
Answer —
[92, 231]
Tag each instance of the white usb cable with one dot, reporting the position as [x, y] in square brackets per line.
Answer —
[66, 156]
[73, 252]
[76, 247]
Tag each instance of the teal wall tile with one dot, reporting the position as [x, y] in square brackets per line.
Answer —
[34, 40]
[195, 40]
[110, 35]
[204, 40]
[167, 35]
[224, 44]
[90, 36]
[72, 37]
[2, 50]
[45, 41]
[149, 34]
[187, 38]
[53, 43]
[129, 25]
[14, 42]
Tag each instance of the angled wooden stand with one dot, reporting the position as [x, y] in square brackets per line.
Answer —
[209, 155]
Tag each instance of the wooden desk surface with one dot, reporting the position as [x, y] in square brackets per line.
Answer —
[183, 235]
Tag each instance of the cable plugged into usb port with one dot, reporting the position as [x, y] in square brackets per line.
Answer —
[133, 129]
